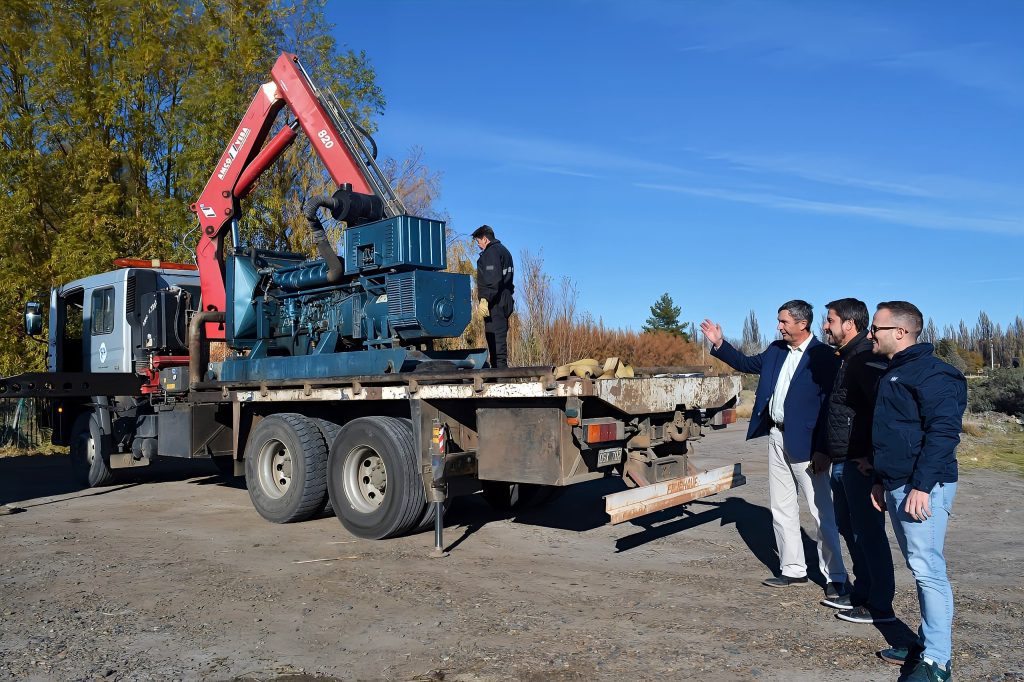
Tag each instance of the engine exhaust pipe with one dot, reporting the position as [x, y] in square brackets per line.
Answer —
[335, 269]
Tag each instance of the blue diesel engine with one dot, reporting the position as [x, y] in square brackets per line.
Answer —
[373, 310]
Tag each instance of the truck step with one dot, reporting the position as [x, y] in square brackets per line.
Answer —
[630, 504]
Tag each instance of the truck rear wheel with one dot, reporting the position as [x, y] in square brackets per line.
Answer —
[374, 479]
[330, 432]
[286, 468]
[518, 496]
[90, 452]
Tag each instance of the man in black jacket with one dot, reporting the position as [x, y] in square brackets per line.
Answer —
[845, 444]
[495, 289]
[915, 431]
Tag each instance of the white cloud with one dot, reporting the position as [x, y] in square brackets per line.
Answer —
[914, 217]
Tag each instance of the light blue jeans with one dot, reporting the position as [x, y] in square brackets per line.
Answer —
[922, 544]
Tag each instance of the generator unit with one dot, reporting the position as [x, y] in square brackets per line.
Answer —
[392, 294]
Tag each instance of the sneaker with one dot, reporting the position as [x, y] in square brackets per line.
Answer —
[783, 581]
[837, 596]
[842, 603]
[898, 655]
[926, 671]
[862, 614]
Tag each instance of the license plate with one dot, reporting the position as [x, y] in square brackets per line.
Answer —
[609, 456]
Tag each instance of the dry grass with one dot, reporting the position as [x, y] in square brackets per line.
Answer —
[992, 442]
[745, 408]
[973, 429]
[548, 328]
[11, 451]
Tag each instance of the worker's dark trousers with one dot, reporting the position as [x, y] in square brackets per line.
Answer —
[496, 330]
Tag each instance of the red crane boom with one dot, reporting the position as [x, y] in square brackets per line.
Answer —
[333, 137]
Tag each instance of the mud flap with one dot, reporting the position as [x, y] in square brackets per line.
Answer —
[630, 504]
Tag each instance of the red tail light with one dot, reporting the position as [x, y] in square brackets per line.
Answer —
[600, 431]
[723, 417]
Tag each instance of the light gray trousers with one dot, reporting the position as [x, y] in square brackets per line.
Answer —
[786, 481]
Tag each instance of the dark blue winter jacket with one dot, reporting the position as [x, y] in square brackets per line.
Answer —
[918, 416]
[807, 391]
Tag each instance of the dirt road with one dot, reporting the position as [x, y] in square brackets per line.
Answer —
[172, 575]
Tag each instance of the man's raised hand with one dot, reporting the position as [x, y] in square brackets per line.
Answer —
[712, 332]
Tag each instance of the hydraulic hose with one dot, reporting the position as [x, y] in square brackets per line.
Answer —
[335, 269]
[196, 360]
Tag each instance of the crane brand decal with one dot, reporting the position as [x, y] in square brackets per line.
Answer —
[233, 152]
[207, 211]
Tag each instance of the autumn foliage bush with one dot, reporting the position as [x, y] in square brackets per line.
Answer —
[548, 329]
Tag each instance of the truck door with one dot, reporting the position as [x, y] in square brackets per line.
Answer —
[105, 328]
[67, 308]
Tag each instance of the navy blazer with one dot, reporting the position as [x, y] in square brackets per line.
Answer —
[808, 390]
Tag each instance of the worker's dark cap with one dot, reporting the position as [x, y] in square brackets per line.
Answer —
[483, 231]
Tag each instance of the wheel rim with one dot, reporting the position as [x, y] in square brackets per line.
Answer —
[365, 478]
[88, 446]
[274, 464]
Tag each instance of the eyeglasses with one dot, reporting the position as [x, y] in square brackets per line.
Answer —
[874, 330]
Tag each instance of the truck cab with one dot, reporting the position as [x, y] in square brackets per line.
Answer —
[104, 323]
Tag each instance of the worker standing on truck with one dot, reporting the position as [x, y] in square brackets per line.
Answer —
[844, 446]
[796, 376]
[915, 431]
[495, 289]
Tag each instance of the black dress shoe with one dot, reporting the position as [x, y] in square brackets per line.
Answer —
[783, 581]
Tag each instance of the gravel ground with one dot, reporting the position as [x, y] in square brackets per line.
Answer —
[170, 574]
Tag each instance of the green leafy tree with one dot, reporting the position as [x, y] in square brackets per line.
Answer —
[113, 114]
[665, 318]
[946, 349]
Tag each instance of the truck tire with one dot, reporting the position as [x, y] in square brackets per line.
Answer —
[517, 497]
[90, 452]
[286, 468]
[427, 519]
[374, 479]
[329, 430]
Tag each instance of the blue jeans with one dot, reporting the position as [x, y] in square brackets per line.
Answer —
[875, 583]
[922, 544]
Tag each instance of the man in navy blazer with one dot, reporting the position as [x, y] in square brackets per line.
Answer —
[796, 374]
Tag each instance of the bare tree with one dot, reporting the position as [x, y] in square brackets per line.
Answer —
[753, 342]
[418, 185]
[929, 334]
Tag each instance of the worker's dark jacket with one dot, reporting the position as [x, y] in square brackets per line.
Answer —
[807, 391]
[494, 273]
[851, 404]
[917, 421]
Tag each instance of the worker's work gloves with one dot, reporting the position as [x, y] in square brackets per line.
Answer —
[485, 309]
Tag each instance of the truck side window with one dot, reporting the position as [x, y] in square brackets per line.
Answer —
[103, 311]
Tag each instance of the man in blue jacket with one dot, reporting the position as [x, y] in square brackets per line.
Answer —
[796, 375]
[915, 431]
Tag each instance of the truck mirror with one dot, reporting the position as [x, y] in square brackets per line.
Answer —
[33, 318]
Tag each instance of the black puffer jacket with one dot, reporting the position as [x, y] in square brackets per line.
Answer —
[851, 404]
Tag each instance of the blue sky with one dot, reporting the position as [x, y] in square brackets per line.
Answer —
[733, 154]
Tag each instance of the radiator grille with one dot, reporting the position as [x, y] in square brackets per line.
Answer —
[401, 300]
[129, 296]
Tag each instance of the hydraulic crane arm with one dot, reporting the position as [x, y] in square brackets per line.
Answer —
[334, 137]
